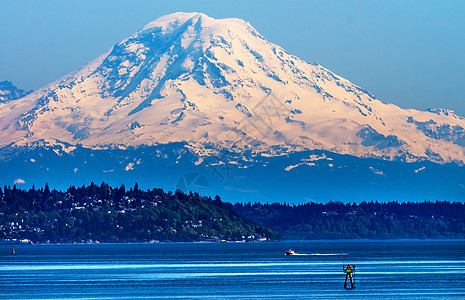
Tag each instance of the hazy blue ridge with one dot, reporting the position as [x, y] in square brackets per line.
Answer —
[237, 177]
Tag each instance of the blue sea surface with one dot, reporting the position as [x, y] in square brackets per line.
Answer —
[389, 269]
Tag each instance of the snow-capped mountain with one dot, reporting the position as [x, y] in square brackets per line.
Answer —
[219, 84]
[8, 91]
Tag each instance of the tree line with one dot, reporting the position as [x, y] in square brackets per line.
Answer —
[366, 220]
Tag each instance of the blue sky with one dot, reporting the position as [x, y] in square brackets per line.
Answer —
[410, 53]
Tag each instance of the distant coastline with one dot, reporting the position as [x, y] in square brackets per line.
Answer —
[297, 242]
[367, 220]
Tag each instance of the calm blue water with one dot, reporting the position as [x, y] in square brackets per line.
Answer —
[397, 270]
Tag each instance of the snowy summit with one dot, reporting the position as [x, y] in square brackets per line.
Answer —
[218, 83]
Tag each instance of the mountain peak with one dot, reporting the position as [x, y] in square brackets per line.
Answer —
[169, 22]
[215, 84]
[174, 19]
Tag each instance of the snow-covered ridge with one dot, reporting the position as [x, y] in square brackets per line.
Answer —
[215, 84]
[10, 92]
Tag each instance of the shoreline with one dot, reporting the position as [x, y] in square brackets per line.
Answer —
[3, 243]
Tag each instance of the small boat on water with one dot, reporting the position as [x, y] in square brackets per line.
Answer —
[290, 252]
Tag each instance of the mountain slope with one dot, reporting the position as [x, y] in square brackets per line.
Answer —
[218, 84]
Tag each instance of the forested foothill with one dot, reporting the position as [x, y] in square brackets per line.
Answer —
[100, 213]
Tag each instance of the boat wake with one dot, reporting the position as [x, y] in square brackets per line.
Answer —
[319, 254]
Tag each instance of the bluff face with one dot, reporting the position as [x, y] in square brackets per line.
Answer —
[214, 95]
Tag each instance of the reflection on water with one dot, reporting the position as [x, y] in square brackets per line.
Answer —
[407, 269]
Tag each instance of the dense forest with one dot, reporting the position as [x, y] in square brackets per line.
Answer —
[367, 220]
[105, 214]
[100, 213]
